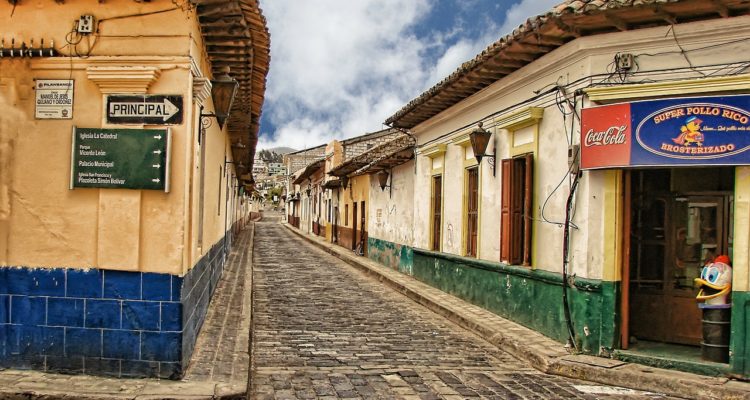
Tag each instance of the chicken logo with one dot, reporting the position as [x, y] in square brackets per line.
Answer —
[690, 133]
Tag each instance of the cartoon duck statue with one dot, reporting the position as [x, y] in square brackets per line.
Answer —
[715, 282]
[715, 288]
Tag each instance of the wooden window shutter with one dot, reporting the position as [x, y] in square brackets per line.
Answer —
[505, 195]
[437, 190]
[516, 212]
[528, 198]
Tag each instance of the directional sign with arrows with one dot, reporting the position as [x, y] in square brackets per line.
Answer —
[120, 158]
[144, 109]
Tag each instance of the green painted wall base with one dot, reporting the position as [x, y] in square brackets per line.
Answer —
[396, 256]
[739, 348]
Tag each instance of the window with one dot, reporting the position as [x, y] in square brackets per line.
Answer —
[515, 222]
[346, 215]
[472, 211]
[437, 208]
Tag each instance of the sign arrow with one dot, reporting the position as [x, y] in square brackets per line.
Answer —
[156, 165]
[157, 180]
[158, 137]
[157, 151]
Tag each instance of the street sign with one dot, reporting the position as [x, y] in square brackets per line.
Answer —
[144, 109]
[54, 99]
[120, 158]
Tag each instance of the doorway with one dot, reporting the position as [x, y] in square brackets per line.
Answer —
[679, 220]
[354, 226]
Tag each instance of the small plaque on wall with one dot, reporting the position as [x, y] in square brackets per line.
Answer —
[54, 99]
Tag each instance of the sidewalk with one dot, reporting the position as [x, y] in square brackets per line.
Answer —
[538, 350]
[219, 365]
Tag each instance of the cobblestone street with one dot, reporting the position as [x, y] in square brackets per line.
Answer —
[323, 330]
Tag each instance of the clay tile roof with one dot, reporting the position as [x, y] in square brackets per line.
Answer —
[386, 155]
[235, 35]
[542, 34]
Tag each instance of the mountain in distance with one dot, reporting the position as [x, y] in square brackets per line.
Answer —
[282, 150]
[275, 154]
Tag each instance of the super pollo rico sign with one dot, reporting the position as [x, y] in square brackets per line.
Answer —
[667, 132]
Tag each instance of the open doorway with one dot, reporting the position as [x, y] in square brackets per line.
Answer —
[678, 220]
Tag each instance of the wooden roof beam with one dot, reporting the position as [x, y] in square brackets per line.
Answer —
[516, 55]
[617, 22]
[534, 48]
[575, 32]
[548, 40]
[222, 10]
[665, 16]
[721, 8]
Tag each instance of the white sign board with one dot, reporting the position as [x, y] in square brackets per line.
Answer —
[54, 99]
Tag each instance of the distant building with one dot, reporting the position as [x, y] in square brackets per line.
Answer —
[275, 168]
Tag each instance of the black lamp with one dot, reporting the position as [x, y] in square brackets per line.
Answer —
[383, 182]
[480, 137]
[223, 90]
[345, 181]
[383, 179]
[309, 190]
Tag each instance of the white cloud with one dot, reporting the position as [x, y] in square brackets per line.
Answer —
[341, 67]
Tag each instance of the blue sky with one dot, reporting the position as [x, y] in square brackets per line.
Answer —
[339, 68]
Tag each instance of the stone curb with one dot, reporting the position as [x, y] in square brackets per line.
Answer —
[151, 390]
[545, 354]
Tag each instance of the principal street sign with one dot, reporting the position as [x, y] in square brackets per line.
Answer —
[144, 109]
[120, 158]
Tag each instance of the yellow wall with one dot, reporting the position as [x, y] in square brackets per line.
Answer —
[358, 191]
[45, 224]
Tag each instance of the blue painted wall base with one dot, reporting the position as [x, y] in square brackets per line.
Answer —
[100, 322]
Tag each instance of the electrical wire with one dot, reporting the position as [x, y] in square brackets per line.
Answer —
[566, 247]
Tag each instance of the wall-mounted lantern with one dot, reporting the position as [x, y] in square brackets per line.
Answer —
[223, 90]
[345, 181]
[383, 181]
[308, 190]
[480, 137]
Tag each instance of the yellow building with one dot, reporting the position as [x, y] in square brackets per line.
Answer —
[120, 175]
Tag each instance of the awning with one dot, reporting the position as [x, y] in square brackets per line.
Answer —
[387, 155]
[309, 171]
[332, 184]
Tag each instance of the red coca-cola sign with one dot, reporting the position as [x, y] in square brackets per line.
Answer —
[613, 135]
[605, 136]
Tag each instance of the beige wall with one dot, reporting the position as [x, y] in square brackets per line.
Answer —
[575, 60]
[45, 224]
[391, 216]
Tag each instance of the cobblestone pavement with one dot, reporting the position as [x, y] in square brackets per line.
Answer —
[323, 330]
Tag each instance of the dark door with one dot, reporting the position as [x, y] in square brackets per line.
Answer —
[354, 227]
[362, 226]
[673, 234]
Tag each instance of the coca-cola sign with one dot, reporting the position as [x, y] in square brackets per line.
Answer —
[605, 135]
[613, 135]
[667, 132]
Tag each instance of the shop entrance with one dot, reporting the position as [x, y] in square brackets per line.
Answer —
[679, 219]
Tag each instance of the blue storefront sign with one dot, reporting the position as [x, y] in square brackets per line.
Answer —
[668, 132]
